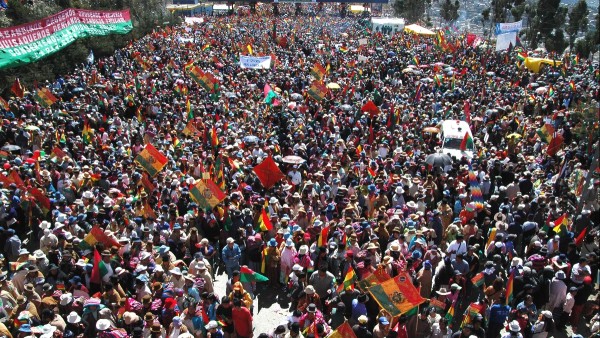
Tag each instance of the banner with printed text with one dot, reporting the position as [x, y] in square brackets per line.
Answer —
[35, 40]
[508, 27]
[255, 62]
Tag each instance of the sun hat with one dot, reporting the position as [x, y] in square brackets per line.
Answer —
[363, 319]
[455, 286]
[309, 290]
[212, 325]
[103, 324]
[130, 317]
[303, 250]
[514, 326]
[443, 292]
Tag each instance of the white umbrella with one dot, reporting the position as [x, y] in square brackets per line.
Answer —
[541, 90]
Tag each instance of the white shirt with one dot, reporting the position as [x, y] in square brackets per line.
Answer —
[577, 273]
[569, 303]
[296, 177]
[436, 331]
[457, 247]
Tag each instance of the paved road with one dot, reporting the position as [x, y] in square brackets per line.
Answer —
[270, 306]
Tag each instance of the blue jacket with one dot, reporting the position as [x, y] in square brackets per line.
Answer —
[499, 313]
[231, 257]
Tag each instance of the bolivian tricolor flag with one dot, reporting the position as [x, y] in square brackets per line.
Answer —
[560, 224]
[4, 104]
[397, 295]
[318, 71]
[264, 223]
[509, 287]
[188, 109]
[349, 280]
[86, 134]
[45, 97]
[152, 160]
[214, 138]
[317, 91]
[207, 194]
[546, 132]
[467, 142]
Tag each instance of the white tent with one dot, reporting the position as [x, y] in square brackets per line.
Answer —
[387, 24]
[416, 29]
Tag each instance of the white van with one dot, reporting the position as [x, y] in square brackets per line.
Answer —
[452, 133]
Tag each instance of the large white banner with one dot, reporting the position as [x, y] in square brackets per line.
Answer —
[508, 27]
[503, 41]
[255, 62]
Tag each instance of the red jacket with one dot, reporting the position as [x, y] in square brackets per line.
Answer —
[242, 321]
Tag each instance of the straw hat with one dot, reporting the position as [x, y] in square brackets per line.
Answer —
[73, 318]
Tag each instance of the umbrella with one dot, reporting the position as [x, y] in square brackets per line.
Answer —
[514, 136]
[11, 148]
[407, 70]
[230, 95]
[438, 160]
[541, 90]
[391, 53]
[333, 85]
[99, 85]
[250, 139]
[77, 90]
[291, 105]
[346, 107]
[534, 85]
[32, 128]
[490, 73]
[432, 130]
[293, 159]
[296, 96]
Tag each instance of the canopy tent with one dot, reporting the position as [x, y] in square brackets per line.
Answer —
[534, 64]
[392, 24]
[184, 7]
[416, 29]
[358, 9]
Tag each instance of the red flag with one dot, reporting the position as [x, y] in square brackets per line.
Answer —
[16, 179]
[322, 241]
[268, 172]
[43, 201]
[370, 108]
[467, 109]
[17, 88]
[555, 145]
[96, 277]
[580, 237]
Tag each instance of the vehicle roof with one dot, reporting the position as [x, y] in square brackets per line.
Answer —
[454, 128]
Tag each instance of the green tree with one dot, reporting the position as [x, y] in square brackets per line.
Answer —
[485, 18]
[578, 20]
[546, 20]
[145, 14]
[556, 42]
[411, 10]
[449, 10]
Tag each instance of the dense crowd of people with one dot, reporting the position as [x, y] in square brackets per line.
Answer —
[517, 260]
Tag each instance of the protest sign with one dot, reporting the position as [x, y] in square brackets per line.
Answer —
[255, 62]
